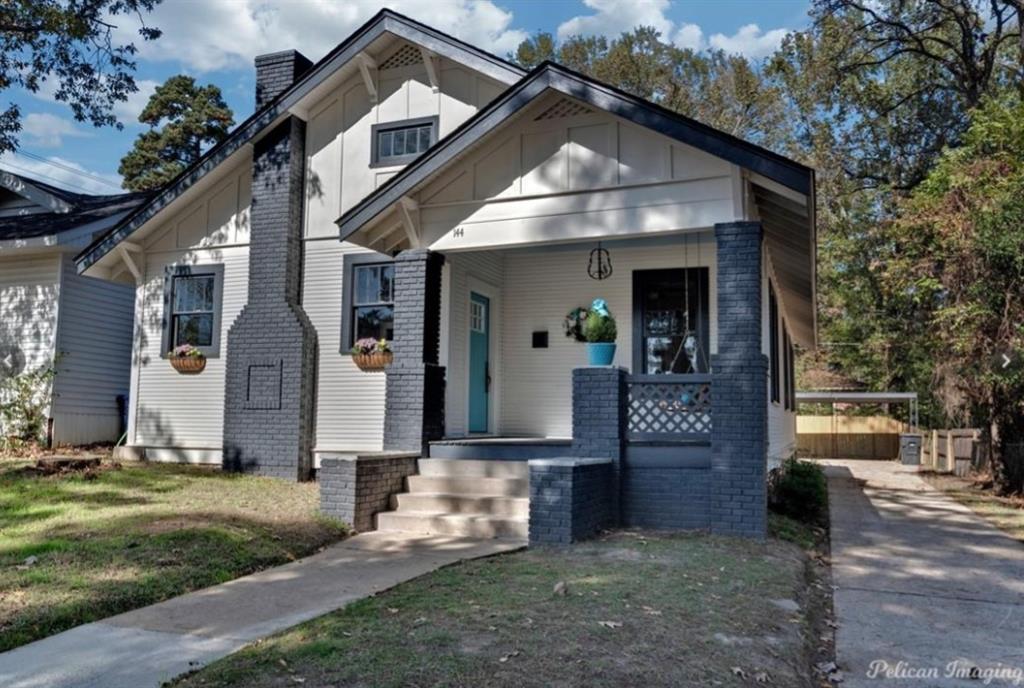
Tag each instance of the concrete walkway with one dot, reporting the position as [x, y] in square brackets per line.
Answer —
[151, 645]
[920, 580]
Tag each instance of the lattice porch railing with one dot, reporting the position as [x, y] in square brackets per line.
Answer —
[668, 408]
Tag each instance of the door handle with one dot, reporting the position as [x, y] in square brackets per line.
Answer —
[487, 377]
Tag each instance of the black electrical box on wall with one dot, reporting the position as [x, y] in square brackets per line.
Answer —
[540, 340]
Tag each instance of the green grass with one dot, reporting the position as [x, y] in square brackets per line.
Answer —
[138, 535]
[685, 610]
[1006, 513]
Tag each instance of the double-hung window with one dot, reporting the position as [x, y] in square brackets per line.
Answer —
[192, 298]
[397, 143]
[368, 299]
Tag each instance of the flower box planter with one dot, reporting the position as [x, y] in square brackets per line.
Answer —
[188, 365]
[378, 360]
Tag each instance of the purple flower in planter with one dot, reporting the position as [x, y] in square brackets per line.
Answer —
[186, 351]
[369, 345]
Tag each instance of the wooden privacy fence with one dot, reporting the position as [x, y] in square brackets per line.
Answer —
[953, 450]
[848, 437]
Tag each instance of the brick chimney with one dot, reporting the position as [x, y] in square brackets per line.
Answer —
[275, 72]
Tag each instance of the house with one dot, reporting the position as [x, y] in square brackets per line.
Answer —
[49, 313]
[415, 188]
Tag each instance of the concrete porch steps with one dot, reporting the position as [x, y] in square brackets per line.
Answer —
[462, 497]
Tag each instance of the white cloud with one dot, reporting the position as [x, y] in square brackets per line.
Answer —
[749, 40]
[128, 111]
[63, 173]
[689, 36]
[48, 131]
[612, 17]
[218, 34]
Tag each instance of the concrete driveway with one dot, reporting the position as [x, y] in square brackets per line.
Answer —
[927, 593]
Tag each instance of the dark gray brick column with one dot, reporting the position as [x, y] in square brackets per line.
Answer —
[599, 420]
[275, 72]
[414, 399]
[739, 434]
[570, 499]
[271, 347]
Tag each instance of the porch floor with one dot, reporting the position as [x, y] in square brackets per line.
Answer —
[500, 448]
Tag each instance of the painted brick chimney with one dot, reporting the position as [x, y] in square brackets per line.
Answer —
[275, 72]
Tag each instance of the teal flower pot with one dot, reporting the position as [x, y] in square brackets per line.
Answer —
[600, 353]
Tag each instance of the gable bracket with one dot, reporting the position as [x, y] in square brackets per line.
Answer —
[408, 211]
[130, 263]
[366, 64]
[432, 71]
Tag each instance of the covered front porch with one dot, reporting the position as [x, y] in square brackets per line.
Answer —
[508, 360]
[492, 233]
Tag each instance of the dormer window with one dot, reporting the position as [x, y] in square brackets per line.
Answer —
[398, 143]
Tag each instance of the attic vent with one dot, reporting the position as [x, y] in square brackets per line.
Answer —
[403, 57]
[564, 108]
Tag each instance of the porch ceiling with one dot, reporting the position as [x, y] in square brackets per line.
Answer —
[788, 222]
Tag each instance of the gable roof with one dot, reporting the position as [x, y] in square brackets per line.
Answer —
[62, 210]
[550, 75]
[385, 21]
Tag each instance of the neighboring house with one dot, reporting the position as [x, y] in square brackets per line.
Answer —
[48, 312]
[412, 187]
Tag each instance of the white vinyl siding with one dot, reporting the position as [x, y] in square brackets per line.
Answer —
[781, 421]
[94, 338]
[185, 413]
[541, 286]
[350, 402]
[29, 294]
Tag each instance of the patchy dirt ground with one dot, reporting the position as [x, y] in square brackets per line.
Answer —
[631, 608]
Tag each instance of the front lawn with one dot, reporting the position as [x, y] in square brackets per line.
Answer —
[1006, 513]
[628, 609]
[80, 547]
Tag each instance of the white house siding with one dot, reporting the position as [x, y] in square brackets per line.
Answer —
[94, 338]
[338, 133]
[781, 421]
[29, 297]
[540, 287]
[180, 417]
[561, 172]
[29, 294]
[485, 271]
[350, 402]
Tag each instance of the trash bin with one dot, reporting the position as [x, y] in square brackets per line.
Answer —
[910, 449]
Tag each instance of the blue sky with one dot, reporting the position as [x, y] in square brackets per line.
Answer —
[216, 40]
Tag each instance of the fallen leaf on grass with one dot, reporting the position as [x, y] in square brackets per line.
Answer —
[297, 679]
[762, 677]
[651, 611]
[283, 663]
[393, 610]
[510, 655]
[610, 624]
[736, 671]
[561, 588]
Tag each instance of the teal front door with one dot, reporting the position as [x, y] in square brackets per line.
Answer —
[479, 361]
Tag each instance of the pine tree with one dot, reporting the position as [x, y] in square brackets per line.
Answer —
[184, 120]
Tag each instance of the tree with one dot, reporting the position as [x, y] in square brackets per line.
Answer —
[71, 43]
[725, 91]
[184, 119]
[882, 88]
[958, 257]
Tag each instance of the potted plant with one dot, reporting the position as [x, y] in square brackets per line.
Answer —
[600, 331]
[187, 359]
[372, 354]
